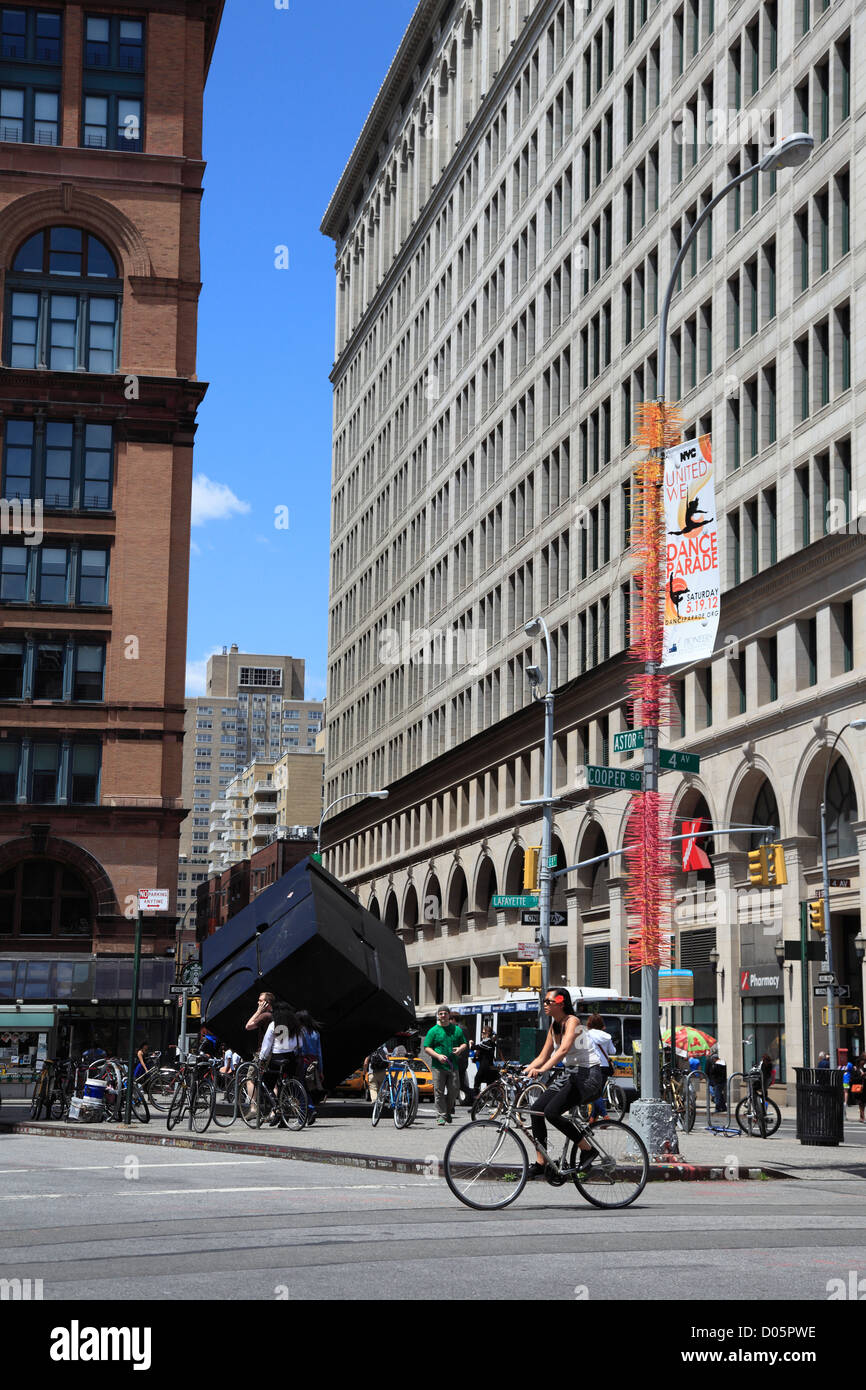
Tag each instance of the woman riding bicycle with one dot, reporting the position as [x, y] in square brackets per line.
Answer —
[567, 1042]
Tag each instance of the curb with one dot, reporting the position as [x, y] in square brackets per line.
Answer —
[661, 1170]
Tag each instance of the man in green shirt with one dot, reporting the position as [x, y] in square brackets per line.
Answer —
[443, 1044]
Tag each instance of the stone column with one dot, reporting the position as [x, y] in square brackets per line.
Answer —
[619, 972]
[728, 867]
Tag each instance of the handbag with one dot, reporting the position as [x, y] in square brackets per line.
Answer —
[857, 1088]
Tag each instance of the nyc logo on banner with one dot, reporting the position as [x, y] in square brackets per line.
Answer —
[692, 581]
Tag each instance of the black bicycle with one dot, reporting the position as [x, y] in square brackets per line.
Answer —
[756, 1114]
[195, 1095]
[259, 1103]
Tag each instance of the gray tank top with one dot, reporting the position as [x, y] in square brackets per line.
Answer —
[578, 1055]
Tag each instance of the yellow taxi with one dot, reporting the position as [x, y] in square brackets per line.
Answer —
[423, 1076]
[354, 1085]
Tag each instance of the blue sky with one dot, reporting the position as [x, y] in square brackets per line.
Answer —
[287, 95]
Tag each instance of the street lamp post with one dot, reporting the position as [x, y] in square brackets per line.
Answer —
[789, 153]
[828, 933]
[532, 629]
[347, 796]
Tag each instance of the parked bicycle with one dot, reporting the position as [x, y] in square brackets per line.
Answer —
[53, 1090]
[399, 1091]
[510, 1084]
[486, 1163]
[258, 1102]
[680, 1097]
[756, 1114]
[194, 1096]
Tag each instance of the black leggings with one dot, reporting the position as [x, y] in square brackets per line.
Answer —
[581, 1083]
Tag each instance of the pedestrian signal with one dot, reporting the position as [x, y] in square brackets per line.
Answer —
[849, 1017]
[759, 867]
[816, 916]
[510, 977]
[531, 858]
[535, 975]
[776, 866]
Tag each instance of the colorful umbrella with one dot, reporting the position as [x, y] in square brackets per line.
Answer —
[691, 1042]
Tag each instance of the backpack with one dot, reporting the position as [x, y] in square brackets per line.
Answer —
[379, 1060]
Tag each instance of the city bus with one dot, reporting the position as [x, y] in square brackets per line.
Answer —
[515, 1020]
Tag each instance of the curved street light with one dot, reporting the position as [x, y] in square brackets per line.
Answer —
[347, 796]
[534, 628]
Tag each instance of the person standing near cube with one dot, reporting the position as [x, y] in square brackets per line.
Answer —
[444, 1044]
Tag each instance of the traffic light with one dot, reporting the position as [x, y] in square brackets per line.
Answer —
[510, 976]
[193, 1013]
[759, 867]
[849, 1016]
[531, 859]
[535, 975]
[816, 916]
[776, 866]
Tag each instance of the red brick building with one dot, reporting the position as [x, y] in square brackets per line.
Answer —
[100, 194]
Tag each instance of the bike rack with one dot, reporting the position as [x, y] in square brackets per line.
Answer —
[727, 1128]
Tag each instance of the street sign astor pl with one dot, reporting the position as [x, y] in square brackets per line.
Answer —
[514, 900]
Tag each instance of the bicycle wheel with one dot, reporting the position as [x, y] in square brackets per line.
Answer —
[528, 1100]
[203, 1105]
[37, 1102]
[485, 1165]
[58, 1107]
[246, 1079]
[383, 1098]
[177, 1108]
[617, 1177]
[161, 1086]
[228, 1099]
[752, 1119]
[139, 1106]
[414, 1098]
[402, 1105]
[489, 1103]
[293, 1103]
[773, 1116]
[615, 1101]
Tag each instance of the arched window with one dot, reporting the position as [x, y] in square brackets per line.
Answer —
[63, 303]
[766, 812]
[40, 897]
[841, 811]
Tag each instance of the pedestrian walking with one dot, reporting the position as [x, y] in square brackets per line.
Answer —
[375, 1067]
[717, 1076]
[142, 1061]
[857, 1089]
[487, 1051]
[567, 1042]
[444, 1044]
[311, 1062]
[601, 1048]
[462, 1064]
[823, 1060]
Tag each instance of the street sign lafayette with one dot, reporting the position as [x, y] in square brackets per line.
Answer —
[679, 762]
[153, 900]
[533, 919]
[514, 900]
[608, 778]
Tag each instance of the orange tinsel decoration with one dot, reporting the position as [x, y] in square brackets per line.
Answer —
[648, 859]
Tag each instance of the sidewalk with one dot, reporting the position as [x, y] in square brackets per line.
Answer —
[343, 1135]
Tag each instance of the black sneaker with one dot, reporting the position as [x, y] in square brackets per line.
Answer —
[587, 1156]
[536, 1172]
[449, 1118]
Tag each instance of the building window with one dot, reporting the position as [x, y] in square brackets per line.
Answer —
[39, 897]
[30, 35]
[50, 773]
[29, 115]
[69, 328]
[114, 43]
[53, 575]
[67, 468]
[112, 123]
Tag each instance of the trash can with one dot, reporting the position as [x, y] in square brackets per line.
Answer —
[820, 1106]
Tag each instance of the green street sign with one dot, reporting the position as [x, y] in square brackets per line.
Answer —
[551, 861]
[679, 762]
[627, 742]
[609, 778]
[514, 900]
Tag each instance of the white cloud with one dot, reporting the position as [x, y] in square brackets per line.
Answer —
[196, 673]
[213, 501]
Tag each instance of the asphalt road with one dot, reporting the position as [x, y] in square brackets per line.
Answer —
[101, 1221]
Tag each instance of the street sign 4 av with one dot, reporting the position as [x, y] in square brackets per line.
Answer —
[679, 762]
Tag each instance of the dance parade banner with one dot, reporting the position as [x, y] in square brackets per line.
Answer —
[692, 581]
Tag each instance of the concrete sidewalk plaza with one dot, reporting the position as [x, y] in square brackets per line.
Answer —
[343, 1134]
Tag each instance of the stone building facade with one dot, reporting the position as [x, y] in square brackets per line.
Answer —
[505, 229]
